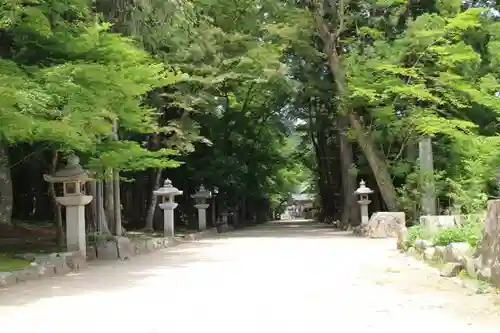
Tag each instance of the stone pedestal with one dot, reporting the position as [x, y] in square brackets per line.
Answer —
[75, 222]
[363, 205]
[202, 215]
[168, 218]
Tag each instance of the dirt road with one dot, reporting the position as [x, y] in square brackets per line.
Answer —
[286, 277]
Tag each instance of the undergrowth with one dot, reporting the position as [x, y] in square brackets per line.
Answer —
[470, 231]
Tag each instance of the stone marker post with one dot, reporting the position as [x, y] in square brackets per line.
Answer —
[363, 201]
[201, 196]
[167, 193]
[73, 178]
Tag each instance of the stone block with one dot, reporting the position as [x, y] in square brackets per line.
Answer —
[60, 266]
[402, 237]
[190, 236]
[126, 248]
[469, 265]
[107, 251]
[456, 252]
[421, 245]
[439, 253]
[41, 270]
[139, 245]
[150, 245]
[7, 279]
[27, 274]
[76, 262]
[432, 223]
[384, 225]
[91, 252]
[429, 253]
[451, 269]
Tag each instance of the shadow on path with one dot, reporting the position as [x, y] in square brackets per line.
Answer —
[108, 276]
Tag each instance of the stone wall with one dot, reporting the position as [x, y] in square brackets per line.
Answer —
[58, 264]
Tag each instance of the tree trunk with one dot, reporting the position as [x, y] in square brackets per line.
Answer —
[6, 191]
[378, 165]
[154, 199]
[58, 224]
[102, 224]
[350, 209]
[109, 201]
[331, 49]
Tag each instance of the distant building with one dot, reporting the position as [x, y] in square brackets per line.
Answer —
[301, 205]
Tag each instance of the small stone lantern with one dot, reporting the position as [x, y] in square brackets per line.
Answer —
[73, 177]
[363, 201]
[167, 193]
[201, 197]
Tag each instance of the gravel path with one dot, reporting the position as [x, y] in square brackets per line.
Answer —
[286, 277]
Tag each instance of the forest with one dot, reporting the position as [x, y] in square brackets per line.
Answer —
[254, 99]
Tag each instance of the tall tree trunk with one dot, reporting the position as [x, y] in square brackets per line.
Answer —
[117, 203]
[109, 200]
[331, 49]
[154, 199]
[350, 210]
[102, 224]
[377, 164]
[116, 191]
[58, 224]
[6, 191]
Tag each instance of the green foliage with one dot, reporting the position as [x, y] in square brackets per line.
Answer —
[414, 233]
[66, 78]
[469, 232]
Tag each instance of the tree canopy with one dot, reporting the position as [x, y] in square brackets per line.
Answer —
[254, 99]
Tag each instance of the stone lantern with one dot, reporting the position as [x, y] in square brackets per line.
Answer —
[201, 197]
[167, 193]
[73, 177]
[363, 201]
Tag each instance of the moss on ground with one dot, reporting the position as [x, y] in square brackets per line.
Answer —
[7, 263]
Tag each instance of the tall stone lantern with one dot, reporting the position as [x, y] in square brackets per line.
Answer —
[363, 201]
[73, 177]
[201, 198]
[167, 193]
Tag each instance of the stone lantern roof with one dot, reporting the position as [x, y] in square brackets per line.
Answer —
[202, 193]
[72, 172]
[362, 189]
[168, 190]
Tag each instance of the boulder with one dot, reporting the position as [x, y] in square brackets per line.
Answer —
[489, 248]
[76, 262]
[7, 279]
[402, 237]
[384, 225]
[60, 266]
[91, 252]
[27, 274]
[422, 244]
[126, 248]
[107, 251]
[429, 253]
[469, 265]
[439, 253]
[455, 252]
[451, 269]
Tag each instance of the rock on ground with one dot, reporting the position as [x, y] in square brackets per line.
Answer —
[289, 277]
[383, 225]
